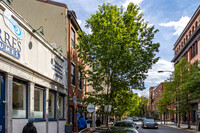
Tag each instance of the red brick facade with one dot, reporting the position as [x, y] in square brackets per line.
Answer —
[187, 46]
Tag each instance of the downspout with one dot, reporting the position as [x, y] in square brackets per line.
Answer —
[69, 65]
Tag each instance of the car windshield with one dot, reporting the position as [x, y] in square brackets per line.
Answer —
[149, 120]
[124, 124]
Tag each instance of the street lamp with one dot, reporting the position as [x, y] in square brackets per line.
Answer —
[161, 71]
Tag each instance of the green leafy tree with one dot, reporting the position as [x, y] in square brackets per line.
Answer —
[141, 110]
[126, 103]
[180, 90]
[119, 51]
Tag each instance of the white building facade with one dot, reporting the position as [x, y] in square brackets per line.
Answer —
[32, 78]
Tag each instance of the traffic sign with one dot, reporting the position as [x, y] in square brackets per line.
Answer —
[90, 108]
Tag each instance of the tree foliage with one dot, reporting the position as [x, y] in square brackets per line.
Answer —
[141, 110]
[181, 88]
[119, 51]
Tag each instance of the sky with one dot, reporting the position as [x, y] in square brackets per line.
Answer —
[168, 16]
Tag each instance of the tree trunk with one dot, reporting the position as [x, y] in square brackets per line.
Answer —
[179, 118]
[164, 118]
[189, 125]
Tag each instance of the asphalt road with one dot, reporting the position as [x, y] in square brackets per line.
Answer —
[161, 129]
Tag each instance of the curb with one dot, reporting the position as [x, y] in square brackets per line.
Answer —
[190, 130]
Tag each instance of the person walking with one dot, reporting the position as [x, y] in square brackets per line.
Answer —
[82, 123]
[29, 127]
[98, 122]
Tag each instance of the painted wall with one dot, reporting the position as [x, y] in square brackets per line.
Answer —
[62, 126]
[47, 15]
[52, 127]
[41, 127]
[18, 125]
[37, 57]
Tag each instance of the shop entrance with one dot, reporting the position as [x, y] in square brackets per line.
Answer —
[2, 104]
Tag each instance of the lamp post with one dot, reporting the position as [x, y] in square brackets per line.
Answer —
[161, 71]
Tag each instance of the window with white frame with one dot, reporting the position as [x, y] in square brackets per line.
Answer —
[19, 100]
[38, 103]
[61, 107]
[52, 106]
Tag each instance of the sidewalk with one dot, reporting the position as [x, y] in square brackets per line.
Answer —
[182, 126]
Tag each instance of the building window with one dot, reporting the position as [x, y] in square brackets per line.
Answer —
[72, 38]
[196, 24]
[194, 49]
[19, 100]
[190, 33]
[72, 74]
[192, 29]
[38, 103]
[61, 107]
[52, 107]
[79, 80]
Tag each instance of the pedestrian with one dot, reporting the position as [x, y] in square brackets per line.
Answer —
[29, 127]
[98, 122]
[82, 123]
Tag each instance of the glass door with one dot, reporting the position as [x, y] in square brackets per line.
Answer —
[2, 104]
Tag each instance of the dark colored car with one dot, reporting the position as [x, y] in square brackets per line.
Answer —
[118, 127]
[149, 123]
[136, 119]
[143, 118]
[125, 125]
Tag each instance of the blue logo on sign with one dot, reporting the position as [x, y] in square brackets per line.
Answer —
[12, 24]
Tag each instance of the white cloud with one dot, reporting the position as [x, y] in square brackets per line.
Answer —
[178, 25]
[79, 21]
[134, 1]
[154, 78]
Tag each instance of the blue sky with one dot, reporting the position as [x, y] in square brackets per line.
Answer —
[169, 16]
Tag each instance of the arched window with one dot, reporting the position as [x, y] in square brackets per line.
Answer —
[196, 25]
[190, 33]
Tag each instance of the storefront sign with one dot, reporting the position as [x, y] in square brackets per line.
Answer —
[10, 44]
[58, 68]
[12, 24]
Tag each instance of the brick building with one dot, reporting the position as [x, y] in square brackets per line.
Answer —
[187, 45]
[155, 93]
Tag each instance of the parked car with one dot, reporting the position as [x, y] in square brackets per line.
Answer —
[143, 118]
[117, 127]
[108, 130]
[149, 123]
[125, 125]
[136, 119]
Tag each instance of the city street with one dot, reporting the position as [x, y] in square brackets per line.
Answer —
[162, 129]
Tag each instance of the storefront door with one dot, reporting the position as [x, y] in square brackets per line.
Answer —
[2, 105]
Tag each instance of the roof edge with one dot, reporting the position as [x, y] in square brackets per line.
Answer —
[54, 3]
[187, 27]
